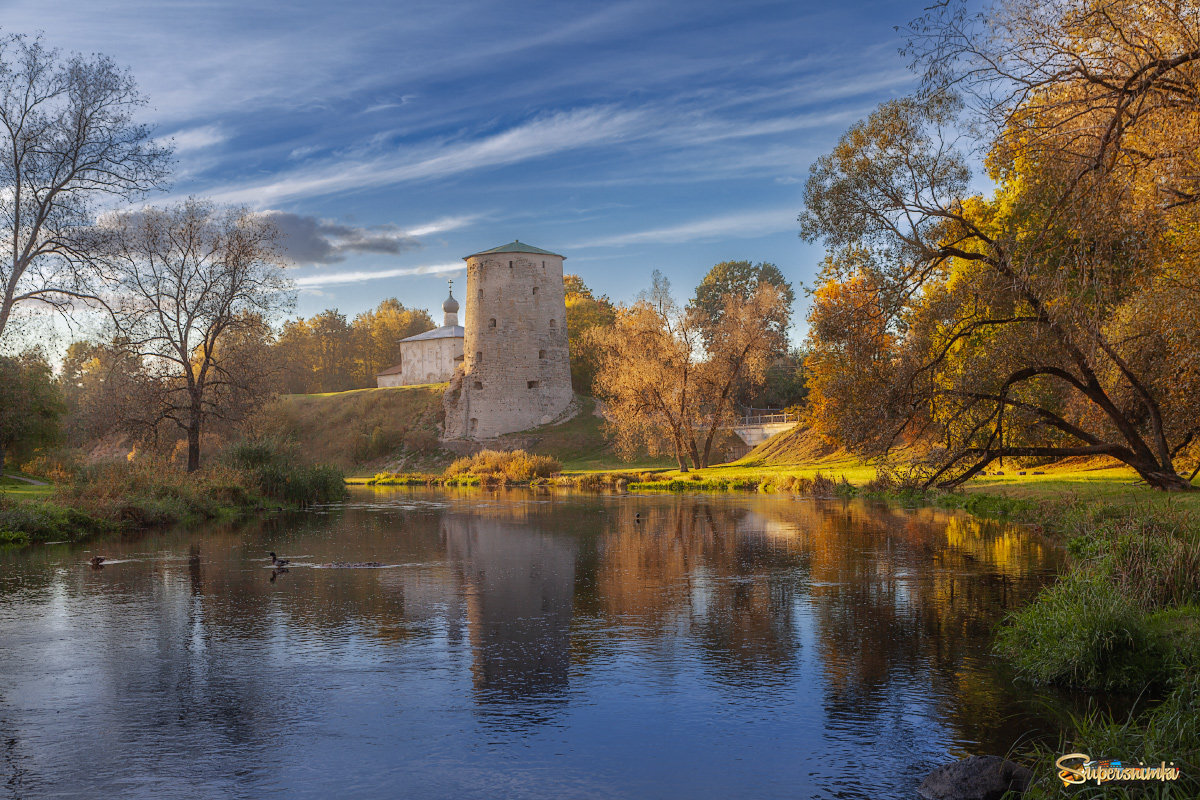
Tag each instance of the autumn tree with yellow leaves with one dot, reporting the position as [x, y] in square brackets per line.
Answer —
[670, 375]
[1057, 316]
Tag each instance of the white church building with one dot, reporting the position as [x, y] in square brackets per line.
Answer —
[428, 357]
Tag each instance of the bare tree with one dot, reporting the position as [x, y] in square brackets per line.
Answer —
[193, 282]
[68, 139]
[647, 373]
[663, 388]
[749, 332]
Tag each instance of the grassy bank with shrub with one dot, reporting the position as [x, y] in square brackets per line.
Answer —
[147, 493]
[488, 467]
[1124, 617]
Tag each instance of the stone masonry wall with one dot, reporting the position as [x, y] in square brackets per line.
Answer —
[516, 372]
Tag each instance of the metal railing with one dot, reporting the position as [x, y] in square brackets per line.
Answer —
[766, 419]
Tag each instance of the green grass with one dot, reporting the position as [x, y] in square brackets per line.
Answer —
[20, 489]
[1125, 616]
[797, 454]
[362, 431]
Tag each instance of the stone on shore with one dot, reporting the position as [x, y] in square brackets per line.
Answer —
[975, 778]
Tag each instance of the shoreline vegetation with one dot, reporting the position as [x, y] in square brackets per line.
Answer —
[148, 493]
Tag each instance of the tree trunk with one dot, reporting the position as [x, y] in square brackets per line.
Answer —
[193, 435]
[193, 440]
[1154, 474]
[706, 456]
[680, 457]
[1167, 480]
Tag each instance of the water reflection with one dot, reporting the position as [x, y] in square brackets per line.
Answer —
[518, 581]
[518, 644]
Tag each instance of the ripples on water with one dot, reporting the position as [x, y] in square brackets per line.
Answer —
[517, 645]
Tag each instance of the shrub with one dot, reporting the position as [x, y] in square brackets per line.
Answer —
[13, 538]
[822, 486]
[515, 466]
[401, 479]
[422, 440]
[25, 521]
[1083, 631]
[274, 470]
[54, 465]
[150, 491]
[301, 485]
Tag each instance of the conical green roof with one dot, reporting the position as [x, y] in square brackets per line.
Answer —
[515, 247]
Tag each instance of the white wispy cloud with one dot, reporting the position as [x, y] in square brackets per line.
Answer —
[442, 225]
[545, 135]
[324, 279]
[190, 139]
[746, 224]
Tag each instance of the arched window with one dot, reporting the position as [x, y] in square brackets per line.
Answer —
[542, 354]
[478, 356]
[535, 290]
[553, 324]
[510, 265]
[492, 322]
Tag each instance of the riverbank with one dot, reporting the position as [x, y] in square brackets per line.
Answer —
[144, 494]
[1124, 617]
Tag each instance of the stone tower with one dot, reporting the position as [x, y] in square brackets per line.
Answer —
[515, 372]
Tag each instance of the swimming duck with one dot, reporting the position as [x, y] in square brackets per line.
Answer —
[279, 562]
[96, 561]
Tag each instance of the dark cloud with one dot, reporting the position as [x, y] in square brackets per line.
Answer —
[310, 240]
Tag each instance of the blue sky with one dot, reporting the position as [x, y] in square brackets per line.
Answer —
[392, 139]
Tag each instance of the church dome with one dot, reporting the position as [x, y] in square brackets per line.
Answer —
[451, 305]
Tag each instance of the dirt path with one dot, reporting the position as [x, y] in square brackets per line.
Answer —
[31, 481]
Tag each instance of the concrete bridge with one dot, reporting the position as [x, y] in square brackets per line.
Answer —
[755, 428]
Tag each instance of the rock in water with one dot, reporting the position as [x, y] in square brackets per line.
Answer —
[975, 778]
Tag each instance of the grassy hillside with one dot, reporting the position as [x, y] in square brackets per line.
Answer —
[800, 453]
[579, 443]
[365, 431]
[361, 429]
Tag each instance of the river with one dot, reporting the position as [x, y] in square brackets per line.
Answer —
[518, 644]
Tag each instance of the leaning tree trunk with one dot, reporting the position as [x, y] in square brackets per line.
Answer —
[1166, 479]
[1156, 475]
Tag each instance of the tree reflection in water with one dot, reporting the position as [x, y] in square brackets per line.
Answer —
[578, 644]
